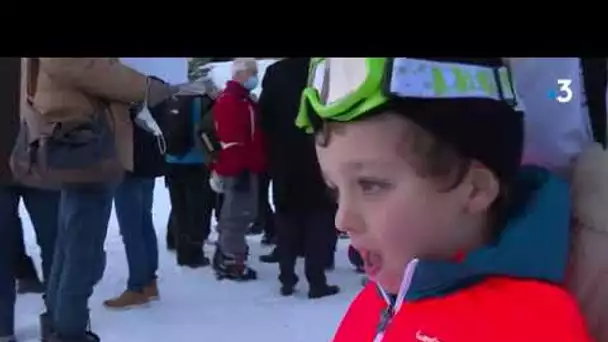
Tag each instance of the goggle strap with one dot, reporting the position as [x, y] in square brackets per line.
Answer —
[316, 123]
[419, 78]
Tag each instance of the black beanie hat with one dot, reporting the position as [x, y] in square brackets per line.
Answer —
[489, 131]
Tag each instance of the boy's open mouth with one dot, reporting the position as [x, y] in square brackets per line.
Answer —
[372, 262]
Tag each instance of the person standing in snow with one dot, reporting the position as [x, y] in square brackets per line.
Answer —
[240, 162]
[42, 206]
[134, 197]
[304, 208]
[68, 91]
[187, 178]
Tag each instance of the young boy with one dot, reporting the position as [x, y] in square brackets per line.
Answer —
[461, 243]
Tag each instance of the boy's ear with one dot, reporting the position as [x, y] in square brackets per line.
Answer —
[483, 188]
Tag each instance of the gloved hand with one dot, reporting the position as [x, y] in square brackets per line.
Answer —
[243, 182]
[216, 182]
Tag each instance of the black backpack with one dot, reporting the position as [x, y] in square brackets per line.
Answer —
[179, 128]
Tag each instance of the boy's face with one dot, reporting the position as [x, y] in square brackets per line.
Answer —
[391, 214]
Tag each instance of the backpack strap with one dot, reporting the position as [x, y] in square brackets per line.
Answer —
[595, 81]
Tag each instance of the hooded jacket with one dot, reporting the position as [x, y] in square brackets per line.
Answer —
[508, 291]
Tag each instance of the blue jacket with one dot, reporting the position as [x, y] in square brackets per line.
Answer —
[196, 154]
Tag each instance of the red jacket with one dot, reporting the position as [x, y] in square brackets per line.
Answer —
[496, 310]
[507, 291]
[236, 118]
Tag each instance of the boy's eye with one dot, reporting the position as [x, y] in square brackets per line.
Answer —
[372, 186]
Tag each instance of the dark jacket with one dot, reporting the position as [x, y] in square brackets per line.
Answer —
[294, 169]
[10, 69]
[148, 161]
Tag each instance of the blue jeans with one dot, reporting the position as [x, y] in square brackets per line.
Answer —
[80, 257]
[43, 209]
[133, 203]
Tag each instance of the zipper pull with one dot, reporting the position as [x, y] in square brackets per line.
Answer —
[385, 319]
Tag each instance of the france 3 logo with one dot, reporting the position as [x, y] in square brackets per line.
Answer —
[564, 93]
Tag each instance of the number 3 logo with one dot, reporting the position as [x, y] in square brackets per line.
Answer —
[565, 92]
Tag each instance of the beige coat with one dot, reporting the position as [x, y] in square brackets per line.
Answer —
[67, 89]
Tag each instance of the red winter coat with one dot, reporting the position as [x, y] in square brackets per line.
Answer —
[236, 118]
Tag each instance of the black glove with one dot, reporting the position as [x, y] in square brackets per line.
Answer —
[243, 181]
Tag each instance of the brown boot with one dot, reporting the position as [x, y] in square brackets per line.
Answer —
[151, 291]
[126, 300]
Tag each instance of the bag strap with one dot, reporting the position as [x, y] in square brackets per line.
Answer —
[32, 70]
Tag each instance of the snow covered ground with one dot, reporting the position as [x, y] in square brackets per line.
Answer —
[195, 306]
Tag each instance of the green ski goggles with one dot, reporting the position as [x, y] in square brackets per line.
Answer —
[344, 89]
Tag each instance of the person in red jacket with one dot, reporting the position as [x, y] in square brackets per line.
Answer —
[460, 242]
[239, 164]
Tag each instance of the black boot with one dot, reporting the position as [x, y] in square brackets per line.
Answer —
[323, 291]
[288, 284]
[192, 257]
[271, 258]
[227, 267]
[287, 290]
[191, 254]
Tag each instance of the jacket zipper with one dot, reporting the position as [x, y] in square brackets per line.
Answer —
[393, 308]
[387, 315]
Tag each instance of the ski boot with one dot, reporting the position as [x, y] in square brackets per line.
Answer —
[228, 267]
